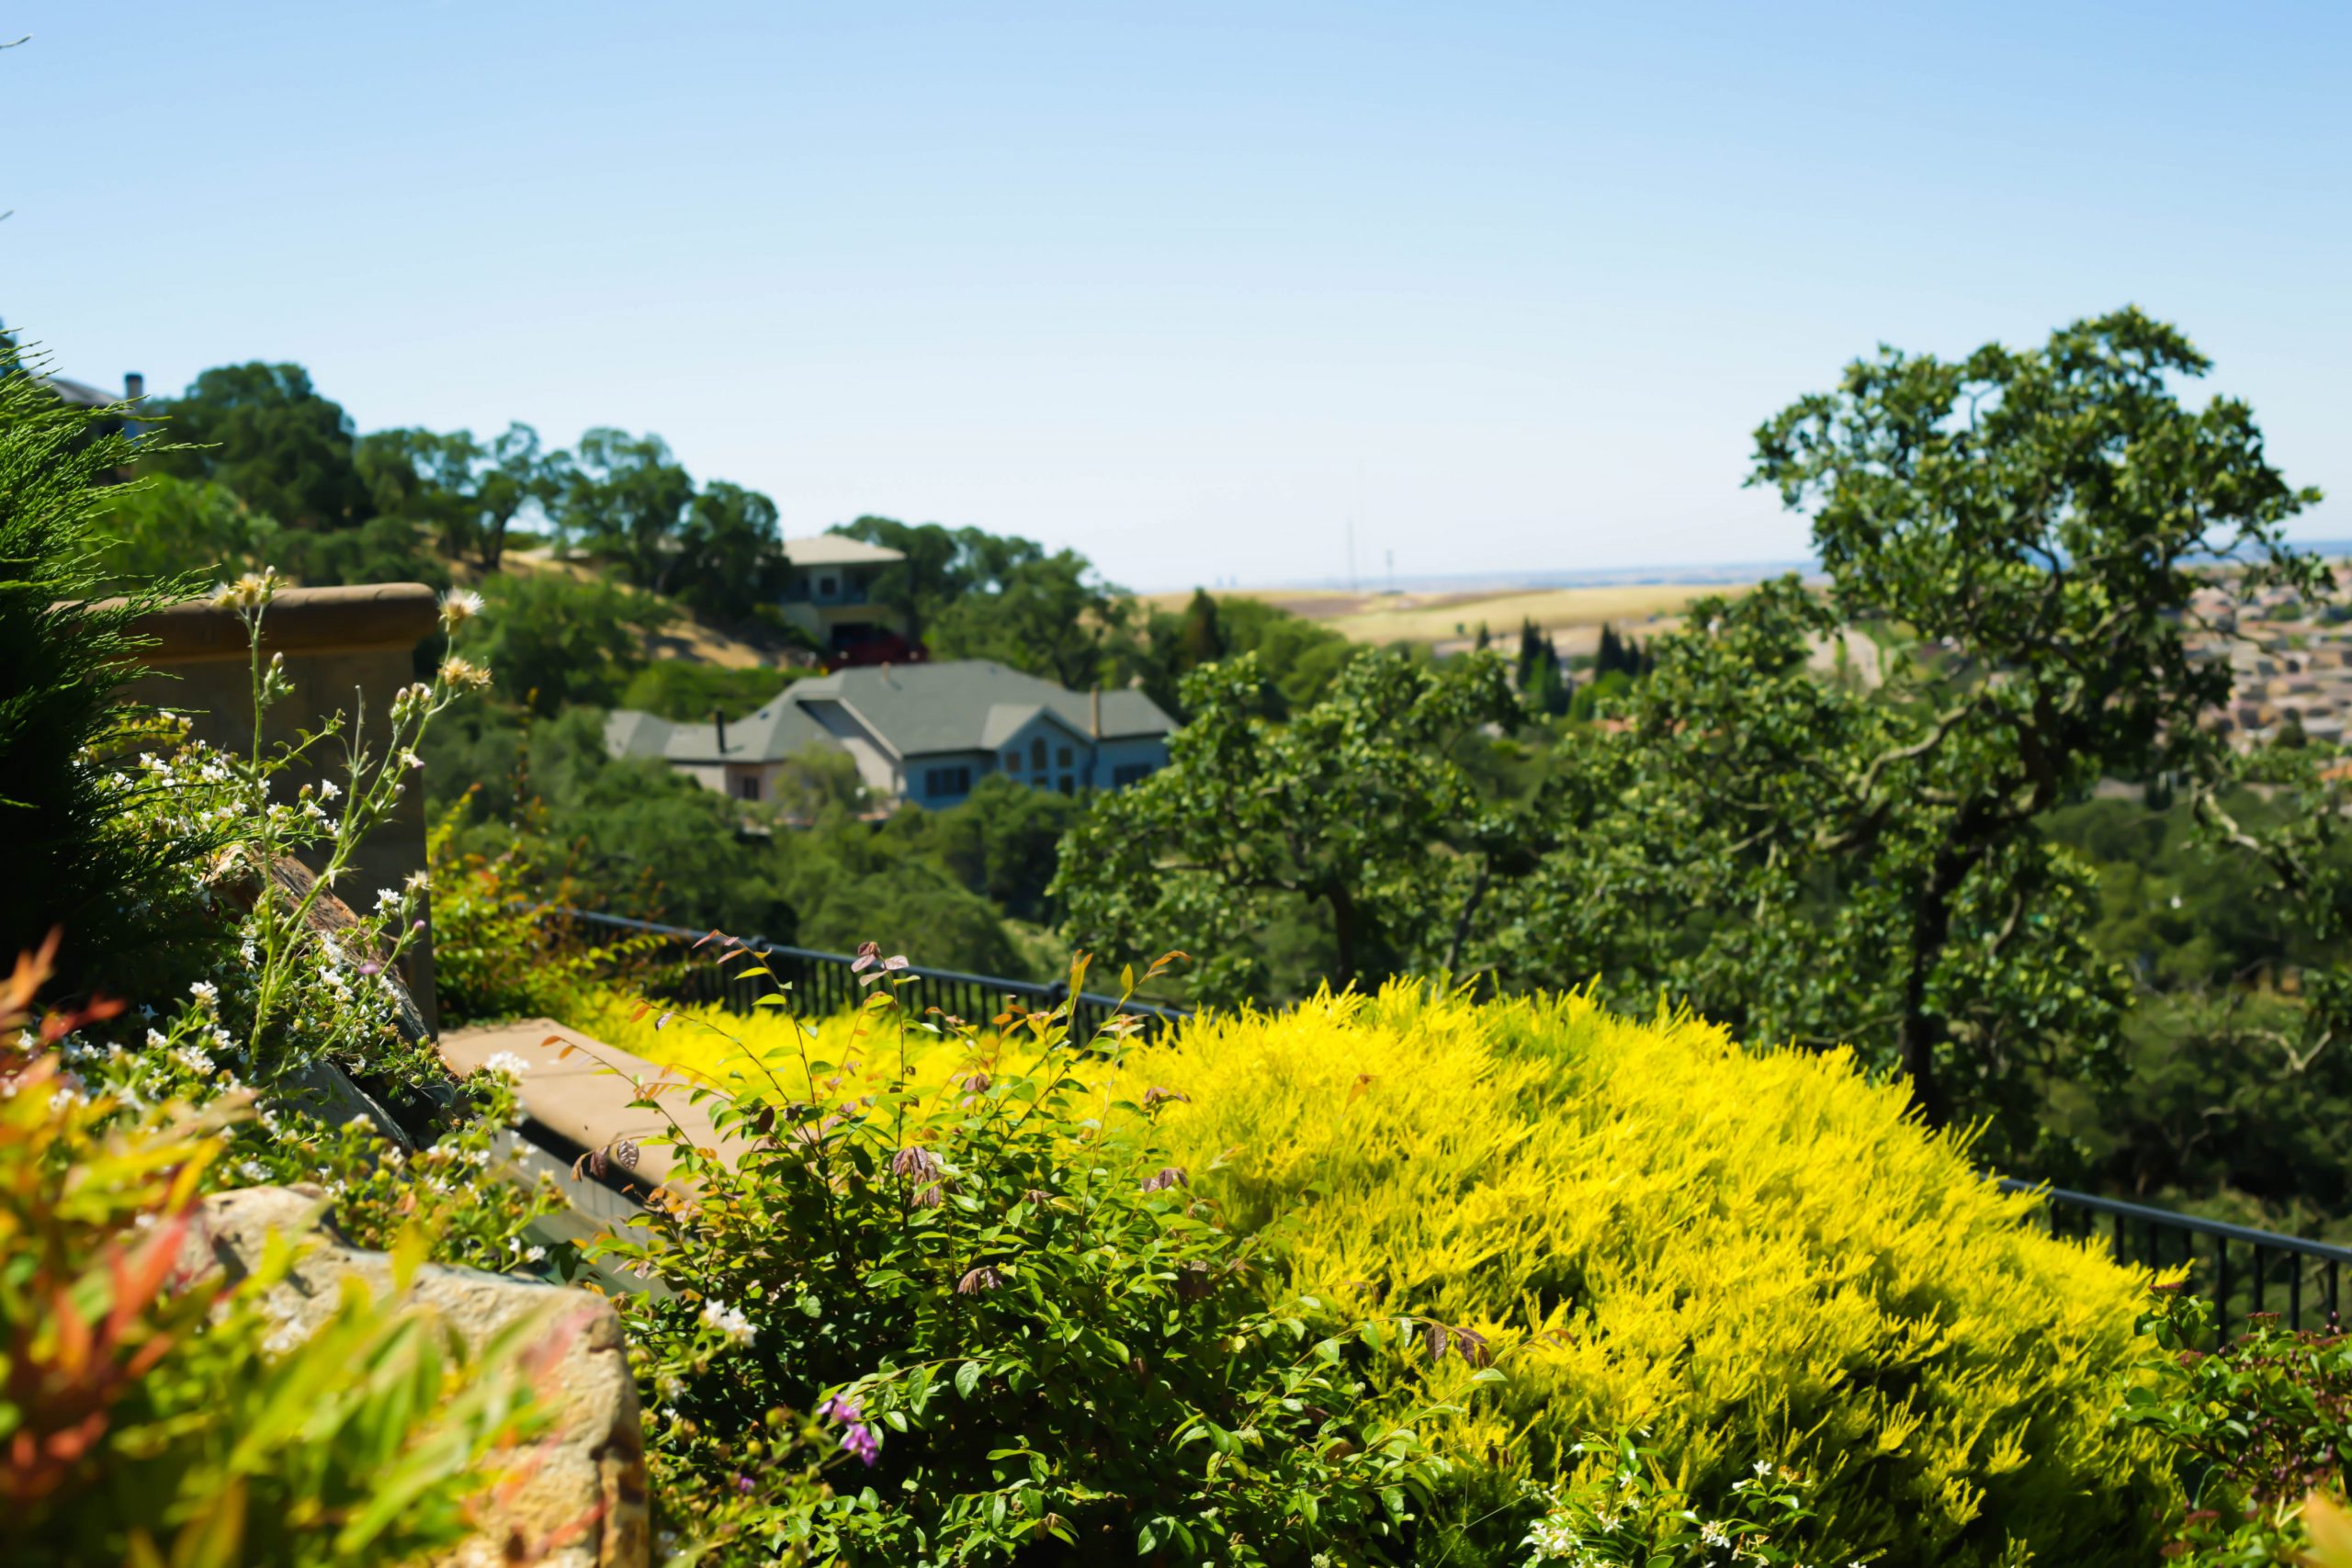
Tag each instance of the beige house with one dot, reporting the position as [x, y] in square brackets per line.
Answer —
[828, 593]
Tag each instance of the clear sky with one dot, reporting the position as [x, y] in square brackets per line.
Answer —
[1184, 285]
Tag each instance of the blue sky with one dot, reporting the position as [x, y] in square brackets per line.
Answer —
[1186, 286]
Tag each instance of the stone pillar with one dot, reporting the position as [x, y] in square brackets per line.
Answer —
[348, 649]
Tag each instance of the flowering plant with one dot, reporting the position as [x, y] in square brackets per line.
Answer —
[1621, 1510]
[1014, 1323]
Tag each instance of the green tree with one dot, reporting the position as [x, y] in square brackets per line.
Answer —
[427, 478]
[1052, 617]
[624, 497]
[1356, 811]
[1808, 862]
[730, 556]
[265, 432]
[553, 641]
[518, 475]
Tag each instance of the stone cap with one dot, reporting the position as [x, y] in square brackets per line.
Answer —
[368, 616]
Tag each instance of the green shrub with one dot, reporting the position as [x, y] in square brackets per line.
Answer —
[1754, 1257]
[684, 689]
[1026, 1332]
[63, 855]
[2262, 1425]
[150, 1418]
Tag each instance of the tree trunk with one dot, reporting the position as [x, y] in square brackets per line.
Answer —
[1343, 932]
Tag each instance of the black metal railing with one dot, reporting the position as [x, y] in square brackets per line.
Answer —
[824, 983]
[2241, 1270]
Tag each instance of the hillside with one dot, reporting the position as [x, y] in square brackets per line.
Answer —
[1448, 621]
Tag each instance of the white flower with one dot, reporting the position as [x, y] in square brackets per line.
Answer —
[330, 789]
[156, 1038]
[729, 1321]
[206, 994]
[1713, 1534]
[194, 1060]
[508, 1063]
[385, 896]
[459, 606]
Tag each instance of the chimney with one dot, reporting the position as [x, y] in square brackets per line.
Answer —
[718, 722]
[134, 387]
[1097, 706]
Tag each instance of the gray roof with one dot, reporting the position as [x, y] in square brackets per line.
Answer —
[777, 732]
[959, 705]
[970, 704]
[838, 550]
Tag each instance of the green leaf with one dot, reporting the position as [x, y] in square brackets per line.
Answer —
[967, 1378]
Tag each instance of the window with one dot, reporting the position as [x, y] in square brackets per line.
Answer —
[1126, 774]
[1070, 784]
[1064, 757]
[1013, 762]
[947, 781]
[747, 786]
[1037, 752]
[825, 587]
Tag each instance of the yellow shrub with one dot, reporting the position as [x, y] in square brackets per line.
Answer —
[772, 1048]
[1752, 1256]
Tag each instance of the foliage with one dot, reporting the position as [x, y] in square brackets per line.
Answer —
[557, 640]
[683, 689]
[1805, 859]
[64, 851]
[2263, 1424]
[1053, 617]
[1001, 841]
[1015, 1314]
[1628, 1511]
[1355, 808]
[150, 1416]
[1756, 1257]
[265, 432]
[501, 948]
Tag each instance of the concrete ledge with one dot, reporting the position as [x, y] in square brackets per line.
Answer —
[582, 1103]
[361, 618]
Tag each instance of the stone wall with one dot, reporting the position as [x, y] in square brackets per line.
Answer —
[348, 649]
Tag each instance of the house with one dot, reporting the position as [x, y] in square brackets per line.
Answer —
[925, 733]
[828, 593]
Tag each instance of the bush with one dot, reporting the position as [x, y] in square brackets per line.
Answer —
[1754, 1257]
[2263, 1423]
[685, 690]
[1015, 1316]
[63, 855]
[501, 947]
[148, 1417]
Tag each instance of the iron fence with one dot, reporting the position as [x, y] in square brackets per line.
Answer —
[824, 983]
[2240, 1269]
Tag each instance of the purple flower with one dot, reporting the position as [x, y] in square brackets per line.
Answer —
[1156, 1096]
[743, 1485]
[860, 1441]
[984, 1278]
[857, 1437]
[1168, 1175]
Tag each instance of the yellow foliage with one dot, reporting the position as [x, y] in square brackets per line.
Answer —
[1753, 1255]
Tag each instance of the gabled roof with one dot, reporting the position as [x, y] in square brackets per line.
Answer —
[838, 550]
[970, 704]
[779, 730]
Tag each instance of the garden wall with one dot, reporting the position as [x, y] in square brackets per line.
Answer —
[348, 649]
